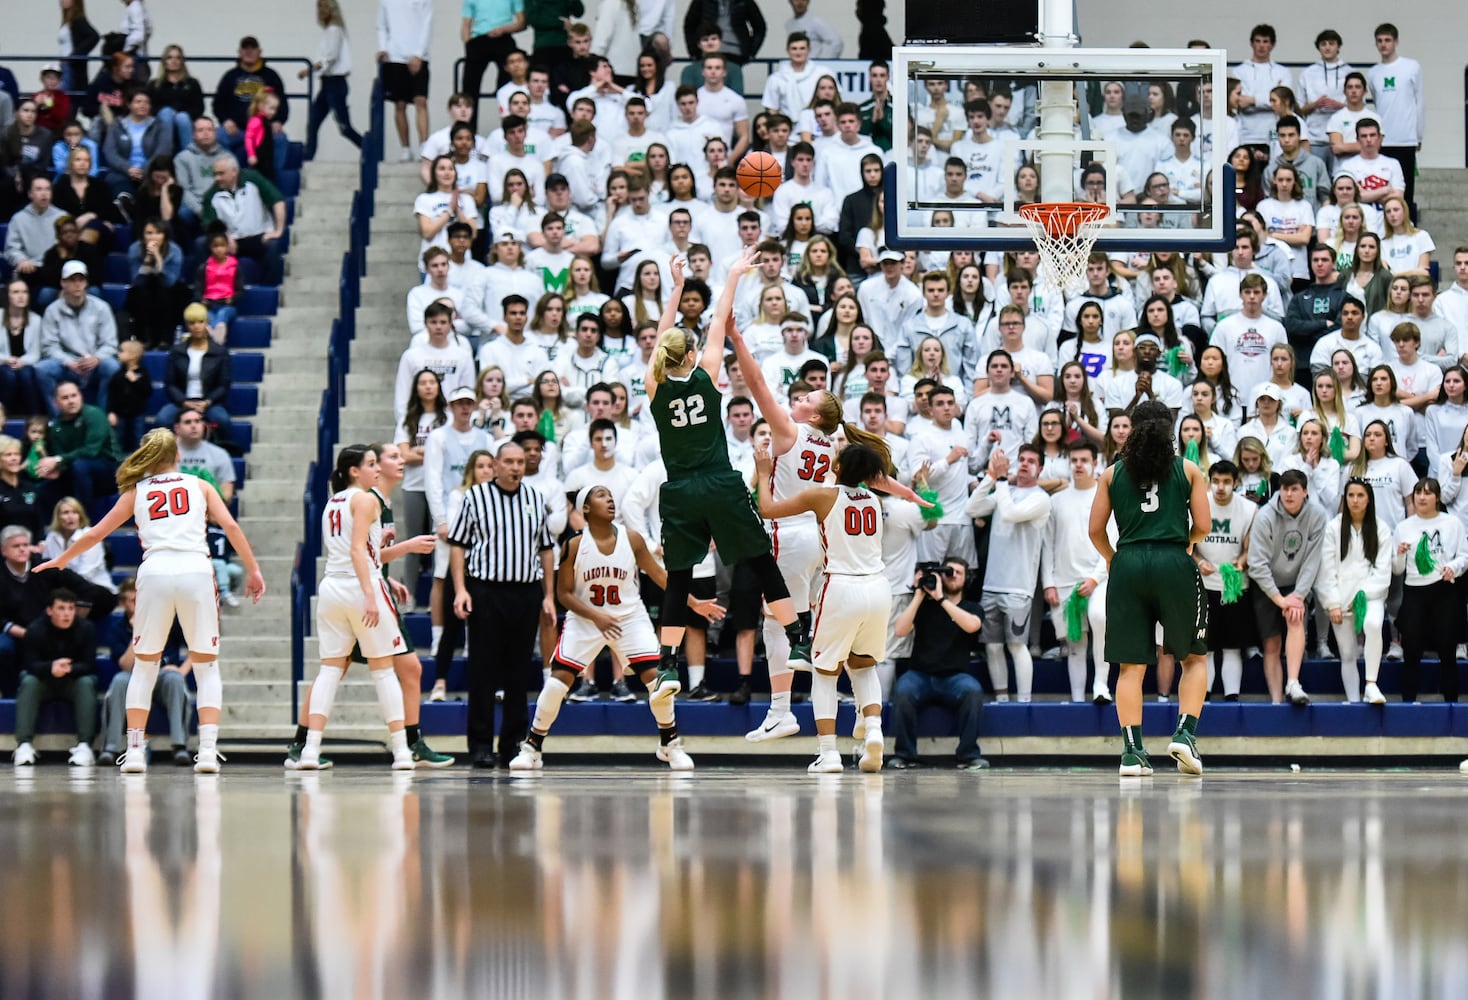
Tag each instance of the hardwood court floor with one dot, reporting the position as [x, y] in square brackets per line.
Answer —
[732, 882]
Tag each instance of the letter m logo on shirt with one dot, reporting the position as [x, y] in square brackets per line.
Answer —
[1002, 418]
[1388, 83]
[1224, 527]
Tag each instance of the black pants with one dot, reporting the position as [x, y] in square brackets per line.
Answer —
[1407, 157]
[502, 630]
[480, 51]
[331, 98]
[1430, 618]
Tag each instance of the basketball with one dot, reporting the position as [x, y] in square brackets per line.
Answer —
[759, 175]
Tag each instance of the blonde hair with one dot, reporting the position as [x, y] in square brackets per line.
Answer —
[865, 438]
[257, 103]
[334, 14]
[158, 451]
[7, 443]
[83, 521]
[672, 351]
[195, 312]
[469, 463]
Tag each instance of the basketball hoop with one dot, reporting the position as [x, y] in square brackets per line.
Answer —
[1064, 232]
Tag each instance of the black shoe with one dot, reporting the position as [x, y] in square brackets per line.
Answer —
[106, 758]
[902, 764]
[1230, 697]
[701, 693]
[740, 695]
[182, 757]
[485, 760]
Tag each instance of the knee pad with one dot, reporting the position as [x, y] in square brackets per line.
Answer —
[865, 686]
[823, 695]
[140, 684]
[324, 691]
[210, 684]
[389, 695]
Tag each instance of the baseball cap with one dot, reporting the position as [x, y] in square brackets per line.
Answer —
[462, 392]
[509, 236]
[249, 42]
[72, 268]
[884, 255]
[1148, 338]
[1270, 390]
[557, 180]
[51, 67]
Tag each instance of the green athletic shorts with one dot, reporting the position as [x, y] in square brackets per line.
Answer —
[407, 647]
[1152, 584]
[710, 506]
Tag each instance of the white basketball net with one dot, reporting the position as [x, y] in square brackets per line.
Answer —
[1064, 234]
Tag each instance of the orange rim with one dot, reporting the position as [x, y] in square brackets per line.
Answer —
[1063, 218]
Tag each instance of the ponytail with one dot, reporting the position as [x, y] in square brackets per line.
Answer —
[866, 439]
[351, 457]
[157, 451]
[671, 352]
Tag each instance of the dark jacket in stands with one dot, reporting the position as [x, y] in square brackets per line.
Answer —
[104, 89]
[90, 254]
[127, 397]
[18, 504]
[856, 215]
[214, 373]
[97, 200]
[744, 15]
[30, 153]
[45, 643]
[24, 600]
[238, 87]
[186, 95]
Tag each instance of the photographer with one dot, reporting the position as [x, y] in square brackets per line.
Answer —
[942, 625]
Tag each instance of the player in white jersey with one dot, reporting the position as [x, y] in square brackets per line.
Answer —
[597, 584]
[175, 579]
[354, 606]
[851, 615]
[405, 662]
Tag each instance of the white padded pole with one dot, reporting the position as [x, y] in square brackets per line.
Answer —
[1057, 104]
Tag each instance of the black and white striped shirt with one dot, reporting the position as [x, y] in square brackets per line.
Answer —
[502, 533]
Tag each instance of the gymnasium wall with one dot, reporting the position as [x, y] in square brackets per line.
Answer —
[287, 27]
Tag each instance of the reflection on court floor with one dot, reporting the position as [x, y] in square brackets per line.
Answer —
[632, 883]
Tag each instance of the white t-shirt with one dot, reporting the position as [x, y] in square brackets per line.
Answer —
[723, 107]
[1404, 251]
[1289, 217]
[435, 204]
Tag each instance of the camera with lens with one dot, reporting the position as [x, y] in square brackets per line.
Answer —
[929, 573]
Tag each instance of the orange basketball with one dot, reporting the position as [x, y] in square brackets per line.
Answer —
[759, 174]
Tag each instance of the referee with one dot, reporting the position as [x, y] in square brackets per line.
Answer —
[501, 565]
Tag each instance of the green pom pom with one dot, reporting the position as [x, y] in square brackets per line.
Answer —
[1337, 444]
[546, 425]
[934, 512]
[1358, 608]
[1075, 616]
[1175, 365]
[1233, 583]
[1423, 556]
[1193, 453]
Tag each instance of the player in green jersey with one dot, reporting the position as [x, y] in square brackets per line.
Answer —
[1160, 503]
[704, 499]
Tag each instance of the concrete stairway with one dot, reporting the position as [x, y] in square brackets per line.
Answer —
[257, 638]
[1442, 200]
[367, 416]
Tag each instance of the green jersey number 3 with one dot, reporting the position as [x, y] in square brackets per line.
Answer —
[690, 411]
[1151, 501]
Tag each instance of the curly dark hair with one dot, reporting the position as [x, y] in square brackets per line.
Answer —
[1148, 454]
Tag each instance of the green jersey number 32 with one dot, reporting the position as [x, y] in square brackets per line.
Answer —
[687, 411]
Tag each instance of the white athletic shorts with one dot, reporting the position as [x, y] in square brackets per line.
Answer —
[801, 561]
[178, 585]
[582, 642]
[851, 619]
[339, 621]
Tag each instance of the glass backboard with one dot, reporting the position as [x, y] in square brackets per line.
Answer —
[1143, 131]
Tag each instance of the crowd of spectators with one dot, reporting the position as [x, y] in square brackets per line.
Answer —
[1318, 346]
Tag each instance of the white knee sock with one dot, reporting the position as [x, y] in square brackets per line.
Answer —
[389, 695]
[998, 668]
[548, 705]
[865, 687]
[1212, 670]
[323, 693]
[437, 633]
[1233, 670]
[208, 735]
[823, 695]
[1024, 669]
[1075, 666]
[210, 684]
[695, 674]
[140, 684]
